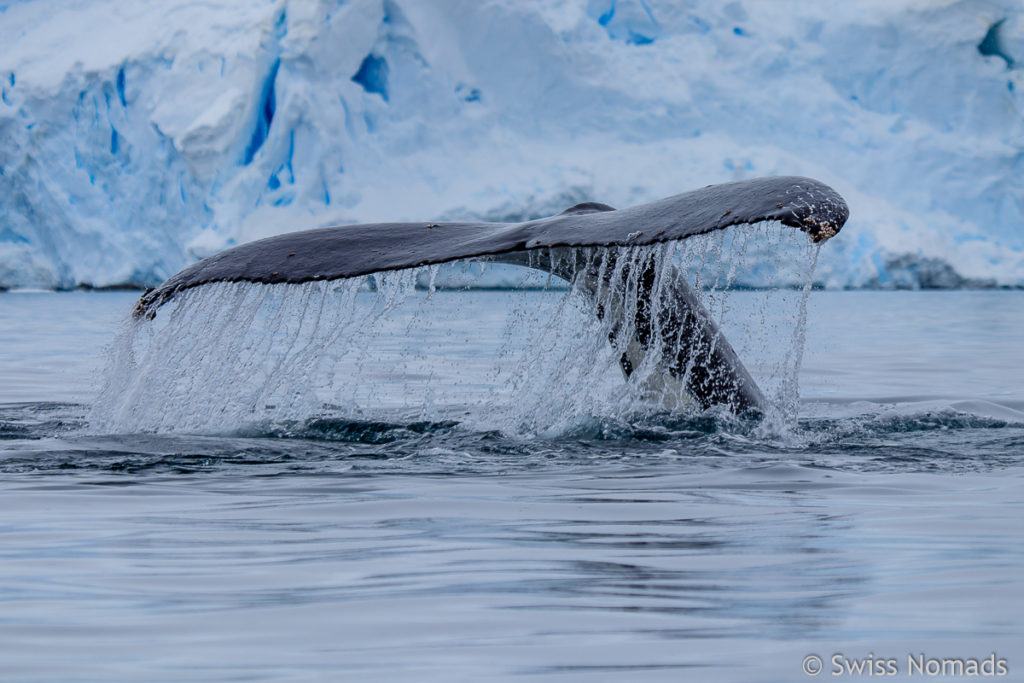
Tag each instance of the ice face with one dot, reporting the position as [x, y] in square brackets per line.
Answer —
[137, 139]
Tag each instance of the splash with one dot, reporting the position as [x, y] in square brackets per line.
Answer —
[256, 358]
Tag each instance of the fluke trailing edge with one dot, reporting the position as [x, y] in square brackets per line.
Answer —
[698, 359]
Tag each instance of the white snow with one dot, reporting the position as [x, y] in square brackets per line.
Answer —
[137, 137]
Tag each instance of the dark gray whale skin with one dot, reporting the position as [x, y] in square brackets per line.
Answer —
[351, 250]
[698, 355]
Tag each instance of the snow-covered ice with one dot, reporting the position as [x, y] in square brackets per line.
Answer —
[138, 137]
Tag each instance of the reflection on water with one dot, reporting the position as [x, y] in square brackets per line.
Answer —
[646, 547]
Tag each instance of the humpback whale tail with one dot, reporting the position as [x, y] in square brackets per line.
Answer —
[652, 314]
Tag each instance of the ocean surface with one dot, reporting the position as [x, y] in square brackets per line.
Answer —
[454, 516]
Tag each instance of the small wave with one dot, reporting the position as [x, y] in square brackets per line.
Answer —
[39, 420]
[658, 426]
[869, 419]
[882, 425]
[353, 431]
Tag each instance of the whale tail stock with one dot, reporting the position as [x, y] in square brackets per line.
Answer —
[655, 319]
[647, 308]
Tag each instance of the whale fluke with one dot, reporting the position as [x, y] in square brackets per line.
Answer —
[352, 250]
[699, 358]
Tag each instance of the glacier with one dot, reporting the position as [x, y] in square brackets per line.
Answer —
[140, 137]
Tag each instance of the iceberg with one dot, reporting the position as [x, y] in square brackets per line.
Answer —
[138, 138]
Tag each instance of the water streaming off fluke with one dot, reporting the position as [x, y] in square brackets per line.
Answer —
[230, 357]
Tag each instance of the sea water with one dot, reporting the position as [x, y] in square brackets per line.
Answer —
[429, 538]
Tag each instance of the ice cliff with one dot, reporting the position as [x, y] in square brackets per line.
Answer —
[137, 137]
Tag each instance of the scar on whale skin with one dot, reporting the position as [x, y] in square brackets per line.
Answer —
[696, 356]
